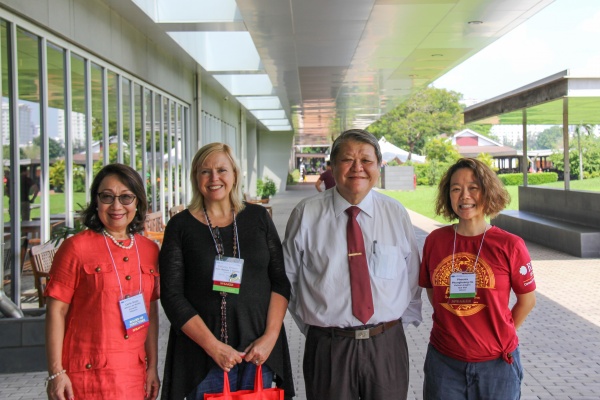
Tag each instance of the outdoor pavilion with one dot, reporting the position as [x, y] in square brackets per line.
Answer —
[565, 219]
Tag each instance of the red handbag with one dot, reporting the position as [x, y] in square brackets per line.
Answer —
[257, 394]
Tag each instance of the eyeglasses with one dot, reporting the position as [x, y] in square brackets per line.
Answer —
[107, 198]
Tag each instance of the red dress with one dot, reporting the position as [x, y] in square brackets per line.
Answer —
[101, 360]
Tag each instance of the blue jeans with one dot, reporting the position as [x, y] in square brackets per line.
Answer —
[241, 377]
[448, 378]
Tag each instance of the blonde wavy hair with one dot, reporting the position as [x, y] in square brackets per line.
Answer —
[235, 196]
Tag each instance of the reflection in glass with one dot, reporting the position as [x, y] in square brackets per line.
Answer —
[148, 146]
[112, 116]
[138, 122]
[79, 128]
[57, 127]
[97, 116]
[28, 121]
[126, 123]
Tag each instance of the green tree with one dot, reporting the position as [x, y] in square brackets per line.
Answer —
[6, 153]
[486, 158]
[55, 149]
[580, 130]
[425, 114]
[590, 157]
[551, 138]
[57, 175]
[441, 149]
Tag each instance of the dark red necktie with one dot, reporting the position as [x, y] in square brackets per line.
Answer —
[360, 283]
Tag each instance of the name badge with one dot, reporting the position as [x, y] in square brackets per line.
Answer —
[227, 274]
[462, 288]
[134, 314]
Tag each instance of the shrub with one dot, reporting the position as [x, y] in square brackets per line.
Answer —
[532, 179]
[265, 187]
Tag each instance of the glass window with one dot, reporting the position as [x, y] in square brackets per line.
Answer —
[126, 98]
[138, 122]
[97, 117]
[112, 116]
[79, 130]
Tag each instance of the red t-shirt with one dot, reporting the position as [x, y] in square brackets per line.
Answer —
[484, 330]
[328, 179]
[101, 360]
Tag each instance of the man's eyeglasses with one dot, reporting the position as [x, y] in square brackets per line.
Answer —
[107, 198]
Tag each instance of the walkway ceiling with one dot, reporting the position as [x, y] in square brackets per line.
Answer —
[331, 64]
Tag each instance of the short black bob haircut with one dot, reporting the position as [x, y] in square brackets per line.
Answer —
[130, 178]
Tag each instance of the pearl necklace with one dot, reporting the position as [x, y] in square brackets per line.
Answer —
[116, 242]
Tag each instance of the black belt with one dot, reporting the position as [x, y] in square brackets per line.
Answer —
[358, 333]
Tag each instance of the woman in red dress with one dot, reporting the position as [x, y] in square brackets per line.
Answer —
[102, 315]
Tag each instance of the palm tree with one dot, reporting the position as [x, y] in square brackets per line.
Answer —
[587, 128]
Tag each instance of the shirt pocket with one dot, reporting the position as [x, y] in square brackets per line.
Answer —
[100, 277]
[150, 280]
[87, 362]
[386, 261]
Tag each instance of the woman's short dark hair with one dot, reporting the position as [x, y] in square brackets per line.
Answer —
[132, 180]
[495, 197]
[357, 135]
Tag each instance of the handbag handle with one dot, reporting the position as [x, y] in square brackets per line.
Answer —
[258, 380]
[226, 388]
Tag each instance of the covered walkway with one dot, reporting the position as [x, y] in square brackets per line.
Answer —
[560, 341]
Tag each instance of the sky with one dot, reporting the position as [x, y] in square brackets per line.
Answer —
[564, 35]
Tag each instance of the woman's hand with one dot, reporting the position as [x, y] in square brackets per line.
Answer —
[225, 356]
[152, 383]
[60, 388]
[259, 350]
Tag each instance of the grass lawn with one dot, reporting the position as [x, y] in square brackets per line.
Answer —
[422, 200]
[57, 204]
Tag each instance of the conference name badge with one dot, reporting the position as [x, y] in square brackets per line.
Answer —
[227, 274]
[462, 288]
[134, 314]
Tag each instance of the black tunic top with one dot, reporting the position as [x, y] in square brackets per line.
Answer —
[186, 262]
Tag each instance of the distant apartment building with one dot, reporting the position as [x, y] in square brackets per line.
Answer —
[511, 134]
[77, 127]
[27, 128]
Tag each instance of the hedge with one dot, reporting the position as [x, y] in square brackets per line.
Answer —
[532, 179]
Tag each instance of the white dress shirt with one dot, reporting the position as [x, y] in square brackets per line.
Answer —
[316, 261]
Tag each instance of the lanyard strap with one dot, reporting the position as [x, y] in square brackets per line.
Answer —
[218, 240]
[479, 251]
[115, 265]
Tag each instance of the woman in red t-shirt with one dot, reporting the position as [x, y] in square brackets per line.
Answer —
[469, 270]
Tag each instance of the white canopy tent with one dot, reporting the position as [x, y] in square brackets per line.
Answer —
[390, 152]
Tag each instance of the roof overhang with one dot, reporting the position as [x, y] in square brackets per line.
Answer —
[544, 102]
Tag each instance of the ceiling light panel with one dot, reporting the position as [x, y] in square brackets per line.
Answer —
[196, 11]
[246, 85]
[220, 51]
[275, 122]
[260, 102]
[268, 114]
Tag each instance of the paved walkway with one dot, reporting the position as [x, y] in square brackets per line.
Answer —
[560, 340]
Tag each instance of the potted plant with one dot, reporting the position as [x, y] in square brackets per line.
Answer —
[265, 188]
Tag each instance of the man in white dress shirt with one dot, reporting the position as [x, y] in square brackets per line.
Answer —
[345, 358]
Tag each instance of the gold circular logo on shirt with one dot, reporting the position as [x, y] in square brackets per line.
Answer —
[464, 262]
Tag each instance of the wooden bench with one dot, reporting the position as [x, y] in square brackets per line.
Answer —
[568, 221]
